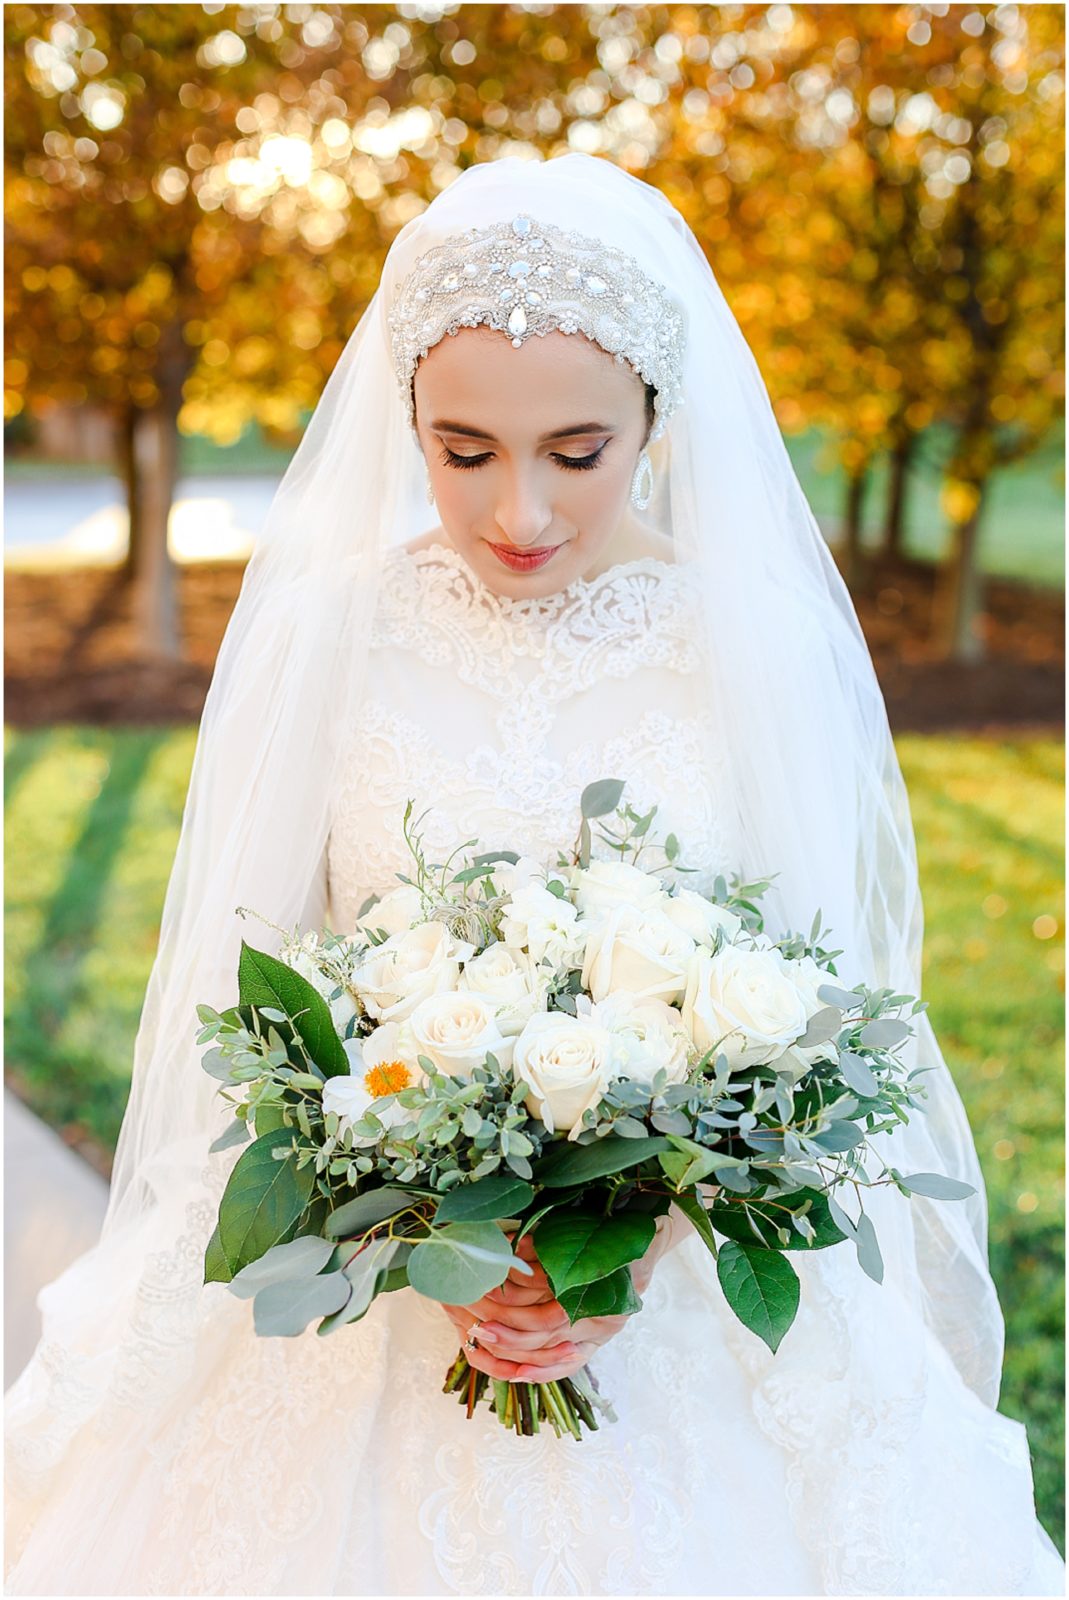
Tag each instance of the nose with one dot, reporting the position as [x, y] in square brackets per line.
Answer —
[523, 512]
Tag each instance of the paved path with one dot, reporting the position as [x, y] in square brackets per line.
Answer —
[54, 1205]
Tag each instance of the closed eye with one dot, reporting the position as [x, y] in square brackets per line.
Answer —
[570, 463]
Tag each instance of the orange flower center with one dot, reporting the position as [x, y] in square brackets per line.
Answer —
[387, 1078]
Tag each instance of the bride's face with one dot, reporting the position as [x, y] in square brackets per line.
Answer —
[531, 451]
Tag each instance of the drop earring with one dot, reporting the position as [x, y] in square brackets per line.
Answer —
[430, 490]
[642, 482]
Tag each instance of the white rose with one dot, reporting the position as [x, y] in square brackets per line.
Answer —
[303, 958]
[700, 917]
[394, 977]
[511, 876]
[808, 977]
[649, 1035]
[567, 1064]
[457, 1030]
[744, 1002]
[511, 978]
[396, 911]
[544, 925]
[604, 886]
[639, 950]
[380, 1066]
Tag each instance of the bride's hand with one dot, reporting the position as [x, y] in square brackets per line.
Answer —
[535, 1342]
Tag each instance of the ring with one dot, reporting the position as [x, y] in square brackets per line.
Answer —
[470, 1343]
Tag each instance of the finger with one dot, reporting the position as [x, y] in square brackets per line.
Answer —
[483, 1361]
[505, 1339]
[534, 1372]
[553, 1355]
[519, 1294]
[546, 1317]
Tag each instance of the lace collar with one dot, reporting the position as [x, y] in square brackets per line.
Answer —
[430, 563]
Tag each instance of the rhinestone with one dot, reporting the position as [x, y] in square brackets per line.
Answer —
[596, 285]
[450, 283]
[471, 270]
[533, 298]
[545, 271]
[506, 294]
[496, 266]
[517, 322]
[519, 269]
[521, 225]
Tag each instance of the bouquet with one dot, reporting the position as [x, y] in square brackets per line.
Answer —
[503, 1048]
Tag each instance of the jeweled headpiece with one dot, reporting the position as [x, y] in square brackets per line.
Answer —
[524, 277]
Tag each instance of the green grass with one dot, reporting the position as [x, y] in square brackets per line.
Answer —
[1022, 528]
[92, 820]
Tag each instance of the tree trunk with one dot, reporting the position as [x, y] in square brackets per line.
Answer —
[851, 532]
[894, 528]
[149, 447]
[125, 443]
[959, 593]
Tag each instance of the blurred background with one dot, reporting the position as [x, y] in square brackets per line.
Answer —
[198, 202]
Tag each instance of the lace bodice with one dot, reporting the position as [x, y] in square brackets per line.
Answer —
[493, 713]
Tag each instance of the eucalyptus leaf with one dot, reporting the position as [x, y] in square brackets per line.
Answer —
[761, 1287]
[844, 999]
[823, 1025]
[461, 1262]
[299, 1258]
[367, 1274]
[599, 798]
[884, 1033]
[937, 1186]
[868, 1250]
[363, 1212]
[858, 1074]
[284, 1309]
[237, 1133]
[840, 1136]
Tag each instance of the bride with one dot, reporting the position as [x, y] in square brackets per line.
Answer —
[624, 580]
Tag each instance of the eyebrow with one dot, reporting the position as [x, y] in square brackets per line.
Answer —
[557, 433]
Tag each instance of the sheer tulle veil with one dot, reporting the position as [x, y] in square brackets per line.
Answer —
[794, 704]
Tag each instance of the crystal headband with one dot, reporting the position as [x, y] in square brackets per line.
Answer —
[524, 277]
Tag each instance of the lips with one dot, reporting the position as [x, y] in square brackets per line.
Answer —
[524, 560]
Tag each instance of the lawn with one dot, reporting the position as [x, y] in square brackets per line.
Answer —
[92, 819]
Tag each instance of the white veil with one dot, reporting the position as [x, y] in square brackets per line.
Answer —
[794, 703]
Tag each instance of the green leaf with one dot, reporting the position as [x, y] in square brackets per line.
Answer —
[570, 1163]
[884, 1033]
[460, 1263]
[577, 1247]
[486, 1200]
[858, 1074]
[613, 1296]
[262, 1201]
[761, 1287]
[599, 798]
[268, 1117]
[868, 1250]
[375, 1205]
[265, 981]
[840, 1136]
[937, 1186]
[299, 1258]
[368, 1275]
[690, 1204]
[283, 1310]
[237, 1133]
[216, 1269]
[688, 1162]
[729, 1218]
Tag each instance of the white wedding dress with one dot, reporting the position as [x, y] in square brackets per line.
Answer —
[856, 1460]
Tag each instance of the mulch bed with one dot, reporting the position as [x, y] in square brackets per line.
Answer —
[69, 653]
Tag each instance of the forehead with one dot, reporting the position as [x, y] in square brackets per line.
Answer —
[481, 367]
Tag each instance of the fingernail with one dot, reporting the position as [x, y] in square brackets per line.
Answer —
[487, 1333]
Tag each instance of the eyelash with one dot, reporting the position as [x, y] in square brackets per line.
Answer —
[570, 463]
